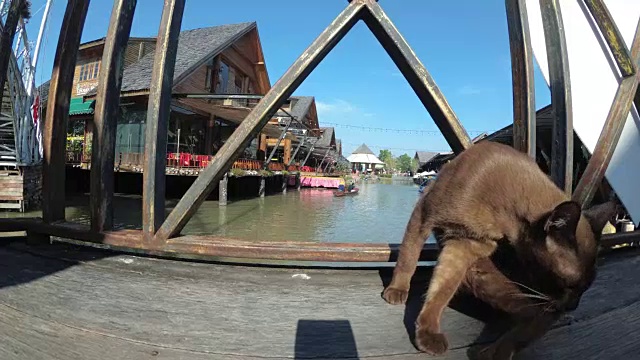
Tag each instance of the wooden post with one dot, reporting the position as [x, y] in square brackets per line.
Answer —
[261, 189]
[285, 178]
[208, 135]
[262, 148]
[287, 151]
[55, 124]
[158, 112]
[222, 190]
[562, 136]
[524, 104]
[106, 115]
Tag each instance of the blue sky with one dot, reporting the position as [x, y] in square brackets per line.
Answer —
[463, 43]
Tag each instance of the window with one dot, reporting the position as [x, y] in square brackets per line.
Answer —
[239, 81]
[89, 71]
[222, 78]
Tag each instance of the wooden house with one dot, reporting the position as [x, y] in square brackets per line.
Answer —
[219, 60]
[304, 123]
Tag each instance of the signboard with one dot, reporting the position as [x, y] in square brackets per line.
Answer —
[594, 81]
[82, 89]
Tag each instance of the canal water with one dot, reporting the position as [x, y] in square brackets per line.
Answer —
[377, 214]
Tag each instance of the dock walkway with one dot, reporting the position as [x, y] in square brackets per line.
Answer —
[62, 302]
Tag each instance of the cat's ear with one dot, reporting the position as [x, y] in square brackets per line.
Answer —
[563, 220]
[598, 215]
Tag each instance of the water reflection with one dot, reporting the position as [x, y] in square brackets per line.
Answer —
[378, 213]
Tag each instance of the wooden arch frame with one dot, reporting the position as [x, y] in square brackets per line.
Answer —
[160, 235]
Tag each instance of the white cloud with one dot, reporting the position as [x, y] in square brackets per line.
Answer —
[338, 106]
[470, 90]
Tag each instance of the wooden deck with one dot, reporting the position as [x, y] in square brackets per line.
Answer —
[62, 302]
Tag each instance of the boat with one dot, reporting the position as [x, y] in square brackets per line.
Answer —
[426, 182]
[340, 193]
[419, 178]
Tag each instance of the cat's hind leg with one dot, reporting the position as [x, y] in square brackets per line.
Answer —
[415, 235]
[456, 257]
[519, 337]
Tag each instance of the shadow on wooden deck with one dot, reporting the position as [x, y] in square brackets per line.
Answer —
[61, 301]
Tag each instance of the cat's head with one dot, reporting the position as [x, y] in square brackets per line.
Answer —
[565, 247]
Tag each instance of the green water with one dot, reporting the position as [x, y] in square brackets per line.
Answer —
[378, 213]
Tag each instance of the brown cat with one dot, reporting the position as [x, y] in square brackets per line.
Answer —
[493, 196]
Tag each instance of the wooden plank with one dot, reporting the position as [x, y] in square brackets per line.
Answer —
[106, 114]
[12, 197]
[524, 104]
[259, 116]
[559, 79]
[611, 132]
[417, 76]
[57, 116]
[112, 306]
[153, 188]
[9, 205]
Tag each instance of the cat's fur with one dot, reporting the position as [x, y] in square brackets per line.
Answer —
[492, 196]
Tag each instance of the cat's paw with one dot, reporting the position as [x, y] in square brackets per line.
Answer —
[395, 296]
[431, 343]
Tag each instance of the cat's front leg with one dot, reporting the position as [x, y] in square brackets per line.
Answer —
[453, 262]
[416, 233]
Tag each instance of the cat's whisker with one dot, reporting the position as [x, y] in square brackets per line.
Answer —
[530, 296]
[527, 287]
[535, 304]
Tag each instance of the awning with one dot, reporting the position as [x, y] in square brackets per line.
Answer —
[77, 106]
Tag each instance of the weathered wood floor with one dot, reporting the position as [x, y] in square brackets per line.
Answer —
[57, 302]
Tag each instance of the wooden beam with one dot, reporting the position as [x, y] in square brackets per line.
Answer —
[611, 131]
[417, 75]
[612, 36]
[524, 104]
[261, 70]
[57, 116]
[559, 79]
[6, 41]
[256, 120]
[106, 115]
[159, 110]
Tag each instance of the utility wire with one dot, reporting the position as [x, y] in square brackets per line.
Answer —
[408, 131]
[381, 147]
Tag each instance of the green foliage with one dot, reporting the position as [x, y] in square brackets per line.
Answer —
[414, 165]
[266, 173]
[238, 172]
[388, 176]
[387, 158]
[343, 167]
[404, 162]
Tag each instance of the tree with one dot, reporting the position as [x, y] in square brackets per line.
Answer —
[404, 162]
[414, 165]
[387, 158]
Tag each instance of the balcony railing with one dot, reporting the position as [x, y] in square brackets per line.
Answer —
[134, 162]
